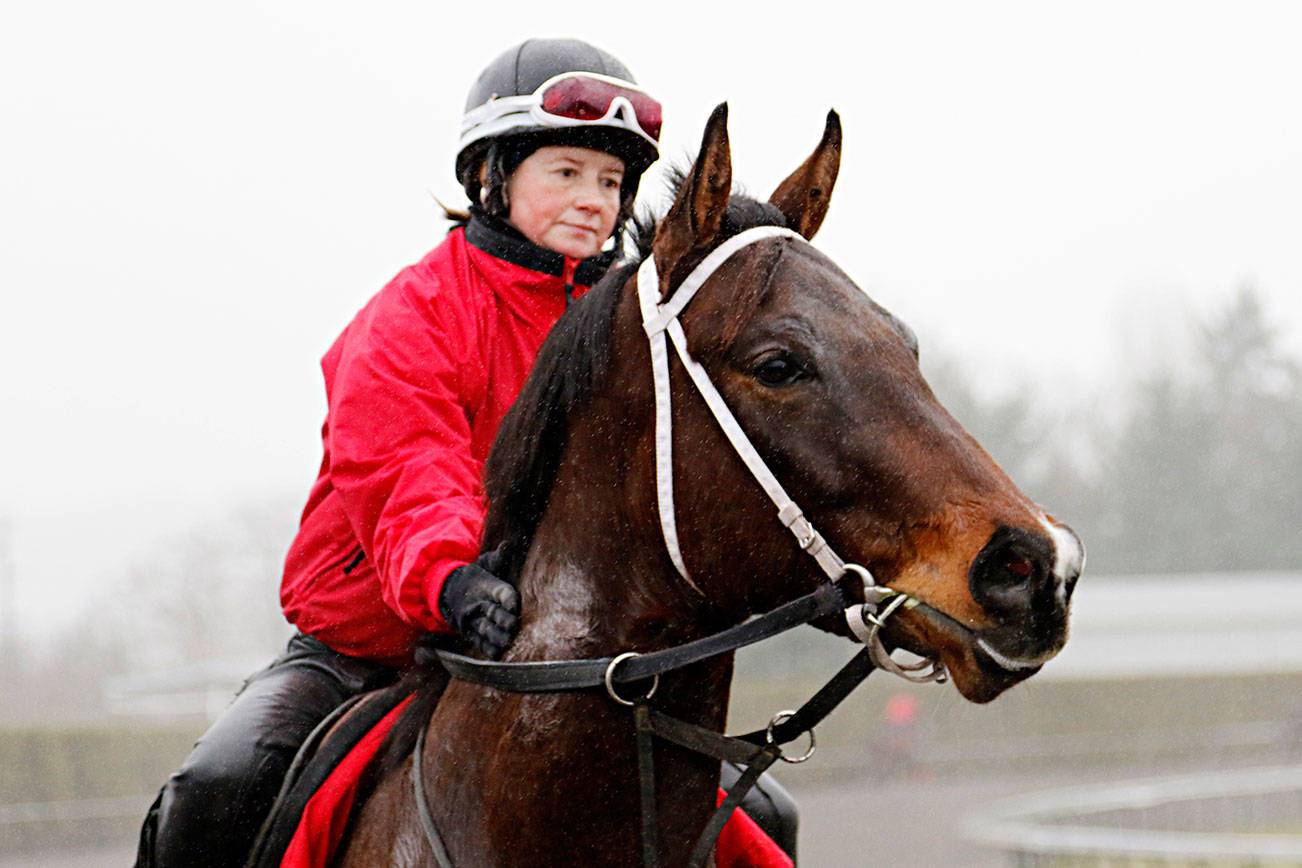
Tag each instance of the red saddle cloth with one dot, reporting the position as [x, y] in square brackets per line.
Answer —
[742, 844]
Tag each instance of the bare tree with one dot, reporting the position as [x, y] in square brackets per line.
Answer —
[212, 593]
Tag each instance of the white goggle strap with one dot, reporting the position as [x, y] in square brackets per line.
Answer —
[507, 112]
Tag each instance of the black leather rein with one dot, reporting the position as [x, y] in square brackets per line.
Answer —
[553, 676]
[754, 751]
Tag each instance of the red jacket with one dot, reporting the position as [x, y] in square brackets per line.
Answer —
[416, 387]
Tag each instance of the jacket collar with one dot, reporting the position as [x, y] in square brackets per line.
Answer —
[498, 238]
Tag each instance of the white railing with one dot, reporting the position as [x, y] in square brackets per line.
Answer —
[74, 810]
[1244, 817]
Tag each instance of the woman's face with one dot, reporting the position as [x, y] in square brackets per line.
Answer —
[566, 199]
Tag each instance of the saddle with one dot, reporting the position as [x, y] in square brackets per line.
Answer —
[315, 804]
[324, 779]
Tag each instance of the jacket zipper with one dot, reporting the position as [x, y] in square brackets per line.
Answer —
[356, 558]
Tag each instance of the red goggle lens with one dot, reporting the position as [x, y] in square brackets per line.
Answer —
[589, 99]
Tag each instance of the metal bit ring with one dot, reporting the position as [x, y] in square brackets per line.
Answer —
[610, 680]
[783, 717]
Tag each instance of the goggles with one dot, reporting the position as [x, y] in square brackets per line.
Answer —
[570, 99]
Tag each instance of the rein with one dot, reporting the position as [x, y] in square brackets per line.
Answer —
[552, 676]
[754, 751]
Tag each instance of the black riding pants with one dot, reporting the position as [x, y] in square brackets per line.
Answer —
[209, 812]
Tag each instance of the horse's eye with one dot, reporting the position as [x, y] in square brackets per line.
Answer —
[777, 369]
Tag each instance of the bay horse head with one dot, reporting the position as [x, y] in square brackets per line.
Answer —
[825, 383]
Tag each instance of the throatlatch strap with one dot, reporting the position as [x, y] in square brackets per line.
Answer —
[646, 276]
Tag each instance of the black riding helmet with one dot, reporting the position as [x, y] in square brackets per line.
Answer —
[553, 92]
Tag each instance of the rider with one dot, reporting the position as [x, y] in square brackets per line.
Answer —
[554, 140]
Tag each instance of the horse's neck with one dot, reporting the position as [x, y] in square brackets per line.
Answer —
[602, 595]
[597, 580]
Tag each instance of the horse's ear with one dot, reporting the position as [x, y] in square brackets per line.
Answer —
[697, 212]
[803, 198]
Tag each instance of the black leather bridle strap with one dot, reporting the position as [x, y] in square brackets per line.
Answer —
[702, 740]
[710, 834]
[549, 676]
[754, 752]
[818, 706]
[755, 760]
[646, 778]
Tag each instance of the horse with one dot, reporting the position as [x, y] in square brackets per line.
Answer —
[825, 384]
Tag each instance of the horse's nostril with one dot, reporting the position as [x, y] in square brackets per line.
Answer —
[1012, 571]
[1018, 565]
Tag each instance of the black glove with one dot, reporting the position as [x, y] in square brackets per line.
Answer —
[480, 606]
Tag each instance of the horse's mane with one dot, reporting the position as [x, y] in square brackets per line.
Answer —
[526, 455]
[522, 467]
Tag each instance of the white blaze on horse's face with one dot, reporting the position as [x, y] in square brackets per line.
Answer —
[1068, 562]
[1069, 556]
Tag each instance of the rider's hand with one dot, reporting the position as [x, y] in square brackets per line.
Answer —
[481, 607]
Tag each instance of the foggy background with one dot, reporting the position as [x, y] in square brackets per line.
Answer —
[1090, 215]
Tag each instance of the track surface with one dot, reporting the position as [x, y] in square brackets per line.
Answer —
[897, 823]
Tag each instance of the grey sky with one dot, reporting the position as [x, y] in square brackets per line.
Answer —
[197, 197]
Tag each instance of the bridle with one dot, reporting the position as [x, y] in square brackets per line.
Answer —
[661, 323]
[754, 751]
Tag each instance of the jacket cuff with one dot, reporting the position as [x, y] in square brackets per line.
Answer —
[434, 577]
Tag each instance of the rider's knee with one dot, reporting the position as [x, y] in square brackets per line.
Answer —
[204, 815]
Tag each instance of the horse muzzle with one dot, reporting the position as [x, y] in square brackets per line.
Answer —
[1022, 580]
